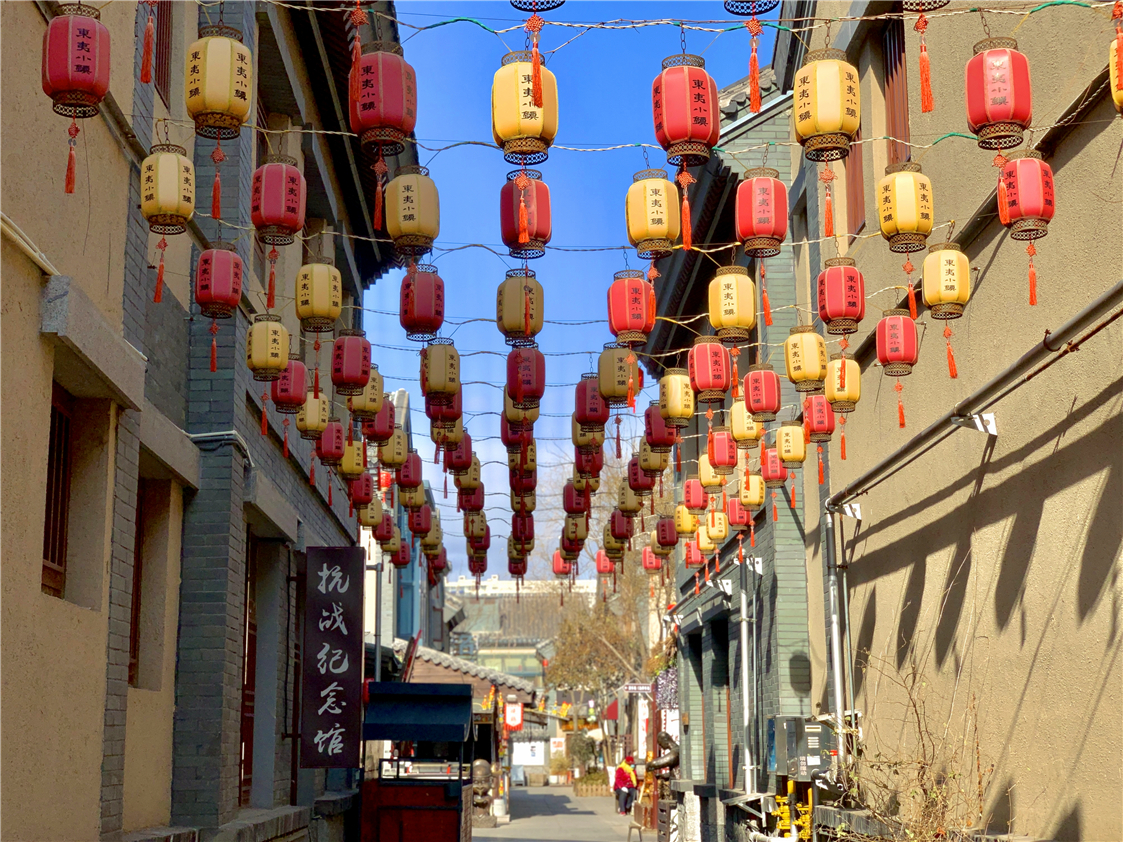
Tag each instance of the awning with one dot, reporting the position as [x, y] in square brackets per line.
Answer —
[613, 710]
[418, 712]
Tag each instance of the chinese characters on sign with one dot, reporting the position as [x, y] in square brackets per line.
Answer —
[332, 675]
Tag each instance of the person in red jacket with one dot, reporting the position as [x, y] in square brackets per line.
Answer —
[625, 785]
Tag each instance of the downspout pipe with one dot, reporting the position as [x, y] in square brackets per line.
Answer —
[835, 635]
[750, 766]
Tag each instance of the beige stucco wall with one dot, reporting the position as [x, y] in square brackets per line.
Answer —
[992, 567]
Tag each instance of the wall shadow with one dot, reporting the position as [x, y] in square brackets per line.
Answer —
[865, 641]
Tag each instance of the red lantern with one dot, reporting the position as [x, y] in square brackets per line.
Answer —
[401, 558]
[842, 296]
[362, 490]
[383, 98]
[761, 214]
[481, 544]
[218, 281]
[638, 481]
[762, 392]
[522, 529]
[471, 501]
[574, 502]
[562, 568]
[422, 305]
[631, 307]
[331, 443]
[737, 514]
[772, 469]
[692, 555]
[651, 562]
[605, 565]
[524, 214]
[385, 529]
[710, 369]
[439, 562]
[590, 463]
[659, 434]
[590, 409]
[516, 567]
[290, 389]
[278, 198]
[665, 533]
[75, 70]
[1025, 195]
[684, 106]
[999, 98]
[445, 414]
[458, 459]
[693, 495]
[526, 376]
[421, 520]
[409, 474]
[897, 345]
[381, 429]
[350, 362]
[523, 482]
[819, 418]
[477, 565]
[571, 546]
[514, 439]
[721, 448]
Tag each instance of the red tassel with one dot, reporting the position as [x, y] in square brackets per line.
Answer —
[842, 421]
[329, 488]
[536, 70]
[286, 444]
[678, 458]
[900, 407]
[953, 372]
[912, 300]
[740, 549]
[842, 366]
[356, 70]
[775, 511]
[71, 169]
[158, 296]
[214, 355]
[697, 590]
[271, 292]
[752, 531]
[1003, 202]
[764, 306]
[687, 233]
[754, 81]
[828, 215]
[524, 222]
[381, 170]
[316, 382]
[1031, 250]
[216, 196]
[312, 471]
[364, 453]
[146, 53]
[926, 101]
[619, 452]
[820, 451]
[264, 414]
[793, 491]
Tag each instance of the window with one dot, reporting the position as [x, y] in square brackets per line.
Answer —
[57, 522]
[249, 674]
[855, 190]
[896, 92]
[162, 55]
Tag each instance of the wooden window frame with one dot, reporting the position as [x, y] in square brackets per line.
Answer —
[896, 92]
[162, 53]
[855, 190]
[249, 676]
[56, 522]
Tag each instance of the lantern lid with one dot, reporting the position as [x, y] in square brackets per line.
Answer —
[535, 175]
[995, 44]
[533, 6]
[220, 30]
[161, 148]
[1025, 153]
[896, 311]
[945, 247]
[411, 169]
[333, 419]
[761, 367]
[612, 346]
[840, 356]
[707, 340]
[683, 60]
[676, 372]
[644, 175]
[840, 261]
[721, 428]
[77, 9]
[628, 273]
[732, 270]
[320, 259]
[762, 172]
[829, 54]
[802, 329]
[791, 422]
[350, 331]
[383, 47]
[295, 355]
[281, 159]
[222, 245]
[517, 56]
[904, 166]
[589, 375]
[520, 273]
[441, 340]
[266, 317]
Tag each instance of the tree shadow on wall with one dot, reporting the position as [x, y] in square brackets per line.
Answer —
[865, 641]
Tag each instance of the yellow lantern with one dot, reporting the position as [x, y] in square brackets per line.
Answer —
[1113, 75]
[167, 194]
[581, 482]
[790, 446]
[431, 540]
[591, 440]
[746, 432]
[651, 463]
[370, 515]
[575, 528]
[827, 105]
[752, 490]
[676, 397]
[368, 403]
[947, 280]
[522, 129]
[440, 368]
[628, 501]
[843, 385]
[712, 481]
[267, 347]
[612, 546]
[652, 213]
[519, 306]
[732, 304]
[312, 417]
[717, 526]
[705, 543]
[394, 453]
[475, 524]
[517, 416]
[412, 498]
[413, 211]
[518, 549]
[617, 374]
[805, 355]
[904, 207]
[394, 543]
[470, 480]
[685, 520]
[527, 458]
[219, 74]
[319, 295]
[524, 503]
[352, 464]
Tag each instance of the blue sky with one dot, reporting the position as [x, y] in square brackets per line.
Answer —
[604, 89]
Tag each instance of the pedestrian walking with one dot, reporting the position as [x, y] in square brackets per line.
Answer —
[625, 785]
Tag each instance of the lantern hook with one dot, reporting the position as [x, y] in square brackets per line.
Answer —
[983, 422]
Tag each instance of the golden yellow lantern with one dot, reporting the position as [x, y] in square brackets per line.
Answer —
[394, 543]
[805, 355]
[583, 482]
[717, 526]
[790, 446]
[827, 105]
[685, 520]
[219, 82]
[1116, 82]
[448, 434]
[732, 304]
[370, 515]
[521, 128]
[586, 440]
[394, 453]
[843, 386]
[652, 213]
[706, 544]
[676, 397]
[618, 375]
[368, 403]
[351, 465]
[412, 498]
[712, 481]
[575, 528]
[746, 432]
[651, 463]
[319, 295]
[267, 347]
[312, 417]
[628, 501]
[519, 549]
[167, 189]
[413, 211]
[470, 480]
[431, 540]
[525, 459]
[519, 308]
[516, 415]
[947, 281]
[440, 369]
[524, 503]
[475, 524]
[752, 490]
[904, 207]
[612, 545]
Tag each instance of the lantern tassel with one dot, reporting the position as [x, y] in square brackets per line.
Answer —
[526, 310]
[329, 488]
[271, 292]
[216, 196]
[754, 80]
[1031, 250]
[316, 382]
[842, 437]
[312, 471]
[684, 180]
[264, 413]
[912, 300]
[900, 407]
[678, 457]
[536, 70]
[619, 452]
[927, 103]
[953, 372]
[828, 215]
[286, 440]
[764, 306]
[793, 491]
[752, 531]
[158, 296]
[740, 549]
[820, 451]
[356, 69]
[524, 221]
[214, 345]
[71, 169]
[775, 511]
[1003, 202]
[146, 53]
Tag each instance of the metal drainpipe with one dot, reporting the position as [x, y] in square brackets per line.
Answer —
[750, 777]
[835, 641]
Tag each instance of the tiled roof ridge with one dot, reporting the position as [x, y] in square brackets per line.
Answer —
[452, 662]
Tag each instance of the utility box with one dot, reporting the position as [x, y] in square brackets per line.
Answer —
[799, 747]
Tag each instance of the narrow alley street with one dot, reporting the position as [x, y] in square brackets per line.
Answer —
[554, 814]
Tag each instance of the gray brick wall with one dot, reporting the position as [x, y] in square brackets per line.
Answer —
[166, 342]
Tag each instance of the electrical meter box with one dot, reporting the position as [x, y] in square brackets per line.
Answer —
[799, 747]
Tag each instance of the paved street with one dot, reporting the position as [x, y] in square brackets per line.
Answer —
[554, 814]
